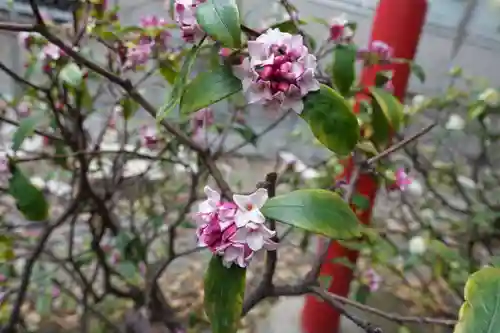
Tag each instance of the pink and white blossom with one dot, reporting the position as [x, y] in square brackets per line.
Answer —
[153, 21]
[219, 232]
[278, 72]
[249, 207]
[26, 38]
[149, 137]
[24, 109]
[372, 279]
[51, 52]
[378, 51]
[340, 32]
[185, 16]
[402, 179]
[138, 54]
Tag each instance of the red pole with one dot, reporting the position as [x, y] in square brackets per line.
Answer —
[398, 23]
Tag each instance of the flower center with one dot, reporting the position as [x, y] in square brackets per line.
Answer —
[249, 206]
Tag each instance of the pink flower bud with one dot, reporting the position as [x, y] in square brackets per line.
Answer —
[225, 52]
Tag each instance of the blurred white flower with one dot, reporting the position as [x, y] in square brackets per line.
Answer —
[417, 245]
[490, 96]
[455, 123]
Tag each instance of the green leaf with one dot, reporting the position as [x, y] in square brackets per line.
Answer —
[224, 291]
[168, 70]
[343, 69]
[29, 199]
[129, 106]
[319, 211]
[362, 294]
[287, 26]
[71, 74]
[209, 88]
[360, 201]
[418, 71]
[246, 132]
[220, 19]
[180, 83]
[26, 129]
[387, 115]
[480, 312]
[332, 120]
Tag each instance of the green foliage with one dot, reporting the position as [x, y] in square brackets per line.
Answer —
[331, 120]
[480, 312]
[29, 199]
[179, 83]
[220, 19]
[208, 88]
[387, 116]
[25, 129]
[343, 68]
[319, 211]
[71, 74]
[224, 292]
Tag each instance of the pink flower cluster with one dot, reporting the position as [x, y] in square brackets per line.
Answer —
[234, 230]
[378, 51]
[154, 38]
[149, 137]
[340, 32]
[185, 16]
[402, 179]
[278, 72]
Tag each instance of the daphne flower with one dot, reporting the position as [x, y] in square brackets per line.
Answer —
[26, 38]
[278, 72]
[402, 179]
[185, 16]
[24, 109]
[389, 86]
[256, 236]
[202, 119]
[340, 32]
[222, 235]
[372, 279]
[138, 55]
[211, 203]
[152, 21]
[149, 137]
[377, 52]
[51, 52]
[249, 207]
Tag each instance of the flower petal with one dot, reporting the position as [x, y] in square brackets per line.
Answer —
[259, 198]
[255, 241]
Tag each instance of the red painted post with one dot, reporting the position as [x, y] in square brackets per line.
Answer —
[398, 23]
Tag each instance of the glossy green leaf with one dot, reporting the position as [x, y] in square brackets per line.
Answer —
[43, 304]
[418, 71]
[25, 129]
[480, 312]
[208, 88]
[343, 69]
[331, 120]
[71, 74]
[220, 19]
[318, 211]
[179, 83]
[387, 115]
[224, 291]
[29, 199]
